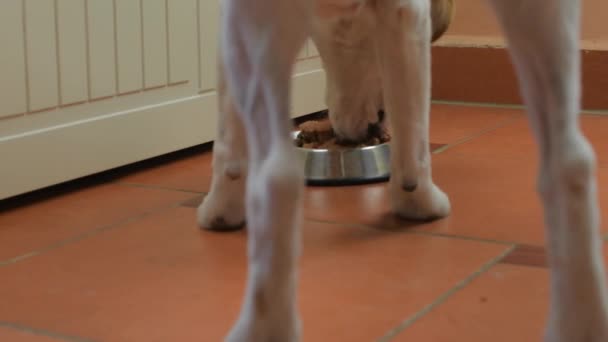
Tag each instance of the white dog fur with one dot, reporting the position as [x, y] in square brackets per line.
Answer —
[385, 63]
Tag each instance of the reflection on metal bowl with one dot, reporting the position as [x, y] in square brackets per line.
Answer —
[346, 165]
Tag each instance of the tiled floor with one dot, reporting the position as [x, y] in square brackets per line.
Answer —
[123, 261]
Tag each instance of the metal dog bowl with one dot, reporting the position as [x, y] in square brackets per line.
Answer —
[345, 166]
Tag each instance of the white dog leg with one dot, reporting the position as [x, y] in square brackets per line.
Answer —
[224, 207]
[260, 42]
[543, 38]
[403, 43]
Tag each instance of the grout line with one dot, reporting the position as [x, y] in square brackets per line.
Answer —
[26, 52]
[406, 231]
[600, 112]
[478, 104]
[199, 60]
[88, 50]
[58, 53]
[160, 187]
[116, 52]
[142, 45]
[483, 132]
[168, 42]
[444, 297]
[42, 332]
[594, 112]
[465, 238]
[86, 235]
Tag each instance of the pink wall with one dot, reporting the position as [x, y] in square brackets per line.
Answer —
[474, 22]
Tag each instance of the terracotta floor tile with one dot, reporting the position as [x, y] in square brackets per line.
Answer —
[451, 123]
[491, 183]
[507, 303]
[491, 199]
[511, 141]
[515, 141]
[346, 204]
[375, 280]
[39, 225]
[495, 198]
[191, 173]
[10, 335]
[161, 279]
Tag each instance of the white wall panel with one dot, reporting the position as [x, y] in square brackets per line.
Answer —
[13, 94]
[129, 45]
[182, 40]
[72, 44]
[208, 20]
[41, 52]
[155, 43]
[102, 53]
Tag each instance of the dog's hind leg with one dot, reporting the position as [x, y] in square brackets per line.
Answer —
[260, 41]
[403, 45]
[224, 207]
[543, 37]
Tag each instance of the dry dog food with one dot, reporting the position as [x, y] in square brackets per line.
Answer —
[319, 134]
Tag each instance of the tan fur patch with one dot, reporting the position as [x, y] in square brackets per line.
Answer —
[441, 16]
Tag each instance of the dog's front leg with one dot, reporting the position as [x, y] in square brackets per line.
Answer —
[403, 45]
[224, 207]
[544, 38]
[260, 41]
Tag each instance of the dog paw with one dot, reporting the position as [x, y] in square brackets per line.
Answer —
[426, 202]
[220, 212]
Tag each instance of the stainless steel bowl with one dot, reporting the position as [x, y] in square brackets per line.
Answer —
[346, 166]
